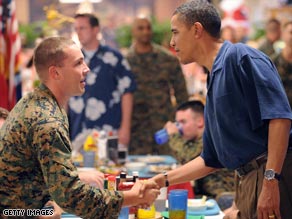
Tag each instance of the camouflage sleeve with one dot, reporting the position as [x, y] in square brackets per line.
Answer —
[185, 150]
[52, 144]
[178, 82]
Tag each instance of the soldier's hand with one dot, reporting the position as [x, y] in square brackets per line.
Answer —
[57, 211]
[171, 128]
[92, 177]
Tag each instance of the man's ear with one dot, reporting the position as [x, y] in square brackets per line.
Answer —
[201, 122]
[54, 73]
[198, 29]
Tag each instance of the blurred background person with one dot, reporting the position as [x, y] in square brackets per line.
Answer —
[108, 98]
[186, 147]
[3, 115]
[283, 60]
[272, 35]
[158, 73]
[228, 33]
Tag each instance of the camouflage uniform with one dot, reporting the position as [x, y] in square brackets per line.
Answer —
[156, 73]
[267, 47]
[211, 185]
[285, 70]
[36, 165]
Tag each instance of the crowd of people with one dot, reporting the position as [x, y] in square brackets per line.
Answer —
[236, 139]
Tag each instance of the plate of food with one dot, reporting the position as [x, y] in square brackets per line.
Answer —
[159, 168]
[151, 159]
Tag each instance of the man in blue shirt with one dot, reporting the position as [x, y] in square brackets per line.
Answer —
[108, 98]
[247, 115]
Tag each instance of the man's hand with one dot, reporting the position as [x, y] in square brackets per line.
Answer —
[57, 211]
[269, 201]
[92, 177]
[147, 192]
[171, 128]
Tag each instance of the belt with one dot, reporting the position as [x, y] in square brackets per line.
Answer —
[252, 165]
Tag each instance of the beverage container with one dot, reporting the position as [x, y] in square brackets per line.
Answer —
[161, 136]
[161, 200]
[177, 203]
[124, 213]
[111, 182]
[146, 213]
[89, 158]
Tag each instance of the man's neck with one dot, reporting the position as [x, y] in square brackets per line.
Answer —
[143, 48]
[91, 46]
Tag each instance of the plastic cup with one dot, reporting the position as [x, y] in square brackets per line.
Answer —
[177, 204]
[161, 200]
[89, 158]
[161, 136]
[124, 213]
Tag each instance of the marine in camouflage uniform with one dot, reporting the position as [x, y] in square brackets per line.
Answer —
[211, 185]
[156, 73]
[36, 165]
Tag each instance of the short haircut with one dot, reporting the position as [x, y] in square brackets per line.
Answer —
[50, 52]
[93, 20]
[3, 113]
[203, 12]
[195, 105]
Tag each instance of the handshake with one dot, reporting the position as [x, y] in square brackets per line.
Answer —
[144, 192]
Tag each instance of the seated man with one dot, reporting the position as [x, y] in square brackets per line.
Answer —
[190, 116]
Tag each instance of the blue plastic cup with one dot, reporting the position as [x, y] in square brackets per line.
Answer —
[178, 204]
[161, 136]
[124, 213]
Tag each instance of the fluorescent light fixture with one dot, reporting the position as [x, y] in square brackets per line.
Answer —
[78, 1]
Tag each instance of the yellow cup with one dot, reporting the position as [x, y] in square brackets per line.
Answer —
[146, 213]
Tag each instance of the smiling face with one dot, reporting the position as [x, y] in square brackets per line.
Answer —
[72, 73]
[183, 40]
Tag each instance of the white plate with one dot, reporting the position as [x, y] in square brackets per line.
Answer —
[151, 159]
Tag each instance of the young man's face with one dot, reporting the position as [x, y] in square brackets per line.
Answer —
[182, 40]
[191, 123]
[86, 33]
[73, 72]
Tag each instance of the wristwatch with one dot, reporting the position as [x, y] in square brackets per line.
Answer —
[270, 174]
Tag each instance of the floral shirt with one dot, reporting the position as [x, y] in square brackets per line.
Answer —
[100, 106]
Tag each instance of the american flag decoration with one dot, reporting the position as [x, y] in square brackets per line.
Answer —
[10, 46]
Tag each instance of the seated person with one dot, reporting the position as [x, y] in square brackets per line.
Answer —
[190, 117]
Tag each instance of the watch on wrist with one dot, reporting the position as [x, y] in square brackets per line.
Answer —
[270, 174]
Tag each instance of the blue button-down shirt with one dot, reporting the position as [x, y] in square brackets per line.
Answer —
[244, 93]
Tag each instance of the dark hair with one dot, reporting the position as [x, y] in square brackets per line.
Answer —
[93, 20]
[203, 12]
[3, 113]
[195, 105]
